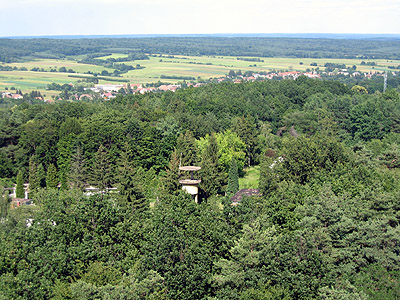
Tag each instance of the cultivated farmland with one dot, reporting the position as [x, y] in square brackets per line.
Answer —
[198, 67]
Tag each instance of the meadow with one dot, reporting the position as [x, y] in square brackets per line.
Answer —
[251, 178]
[198, 67]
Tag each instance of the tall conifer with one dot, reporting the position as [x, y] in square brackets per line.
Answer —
[4, 204]
[129, 185]
[186, 149]
[171, 180]
[34, 181]
[233, 179]
[19, 192]
[51, 177]
[41, 175]
[77, 175]
[212, 176]
[101, 169]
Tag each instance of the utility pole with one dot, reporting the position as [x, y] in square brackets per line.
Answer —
[385, 82]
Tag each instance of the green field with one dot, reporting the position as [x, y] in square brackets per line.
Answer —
[250, 179]
[204, 67]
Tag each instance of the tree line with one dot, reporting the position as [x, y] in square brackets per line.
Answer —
[12, 50]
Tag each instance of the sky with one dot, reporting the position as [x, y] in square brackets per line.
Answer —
[113, 17]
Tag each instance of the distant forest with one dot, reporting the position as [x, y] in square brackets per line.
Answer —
[12, 50]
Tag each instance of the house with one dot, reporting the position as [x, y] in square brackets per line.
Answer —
[17, 202]
[146, 90]
[293, 74]
[109, 87]
[108, 95]
[16, 96]
[135, 86]
[85, 96]
[163, 87]
[312, 75]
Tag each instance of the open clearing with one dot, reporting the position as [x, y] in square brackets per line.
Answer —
[250, 179]
[203, 67]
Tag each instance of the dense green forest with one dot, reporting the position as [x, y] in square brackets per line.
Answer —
[12, 50]
[325, 227]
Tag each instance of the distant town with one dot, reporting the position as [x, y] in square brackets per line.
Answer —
[108, 91]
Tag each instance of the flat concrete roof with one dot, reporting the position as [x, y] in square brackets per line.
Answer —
[190, 181]
[189, 168]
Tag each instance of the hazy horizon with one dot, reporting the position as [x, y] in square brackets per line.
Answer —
[270, 35]
[176, 17]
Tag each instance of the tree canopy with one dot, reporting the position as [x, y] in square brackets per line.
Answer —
[323, 222]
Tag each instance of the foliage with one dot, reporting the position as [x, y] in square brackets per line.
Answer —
[301, 159]
[229, 146]
[12, 50]
[170, 181]
[325, 227]
[211, 174]
[129, 187]
[34, 179]
[51, 177]
[186, 149]
[233, 179]
[4, 203]
[100, 170]
[19, 192]
[77, 173]
[185, 238]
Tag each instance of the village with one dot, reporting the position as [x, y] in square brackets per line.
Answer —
[109, 91]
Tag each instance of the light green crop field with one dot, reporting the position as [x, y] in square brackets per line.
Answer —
[203, 67]
[207, 67]
[48, 64]
[114, 55]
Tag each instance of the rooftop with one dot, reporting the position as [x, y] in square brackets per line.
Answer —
[244, 192]
[189, 168]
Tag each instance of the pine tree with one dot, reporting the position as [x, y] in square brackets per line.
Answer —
[63, 182]
[34, 182]
[246, 129]
[171, 180]
[186, 149]
[76, 177]
[19, 192]
[212, 176]
[129, 186]
[233, 179]
[41, 175]
[4, 204]
[51, 177]
[101, 169]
